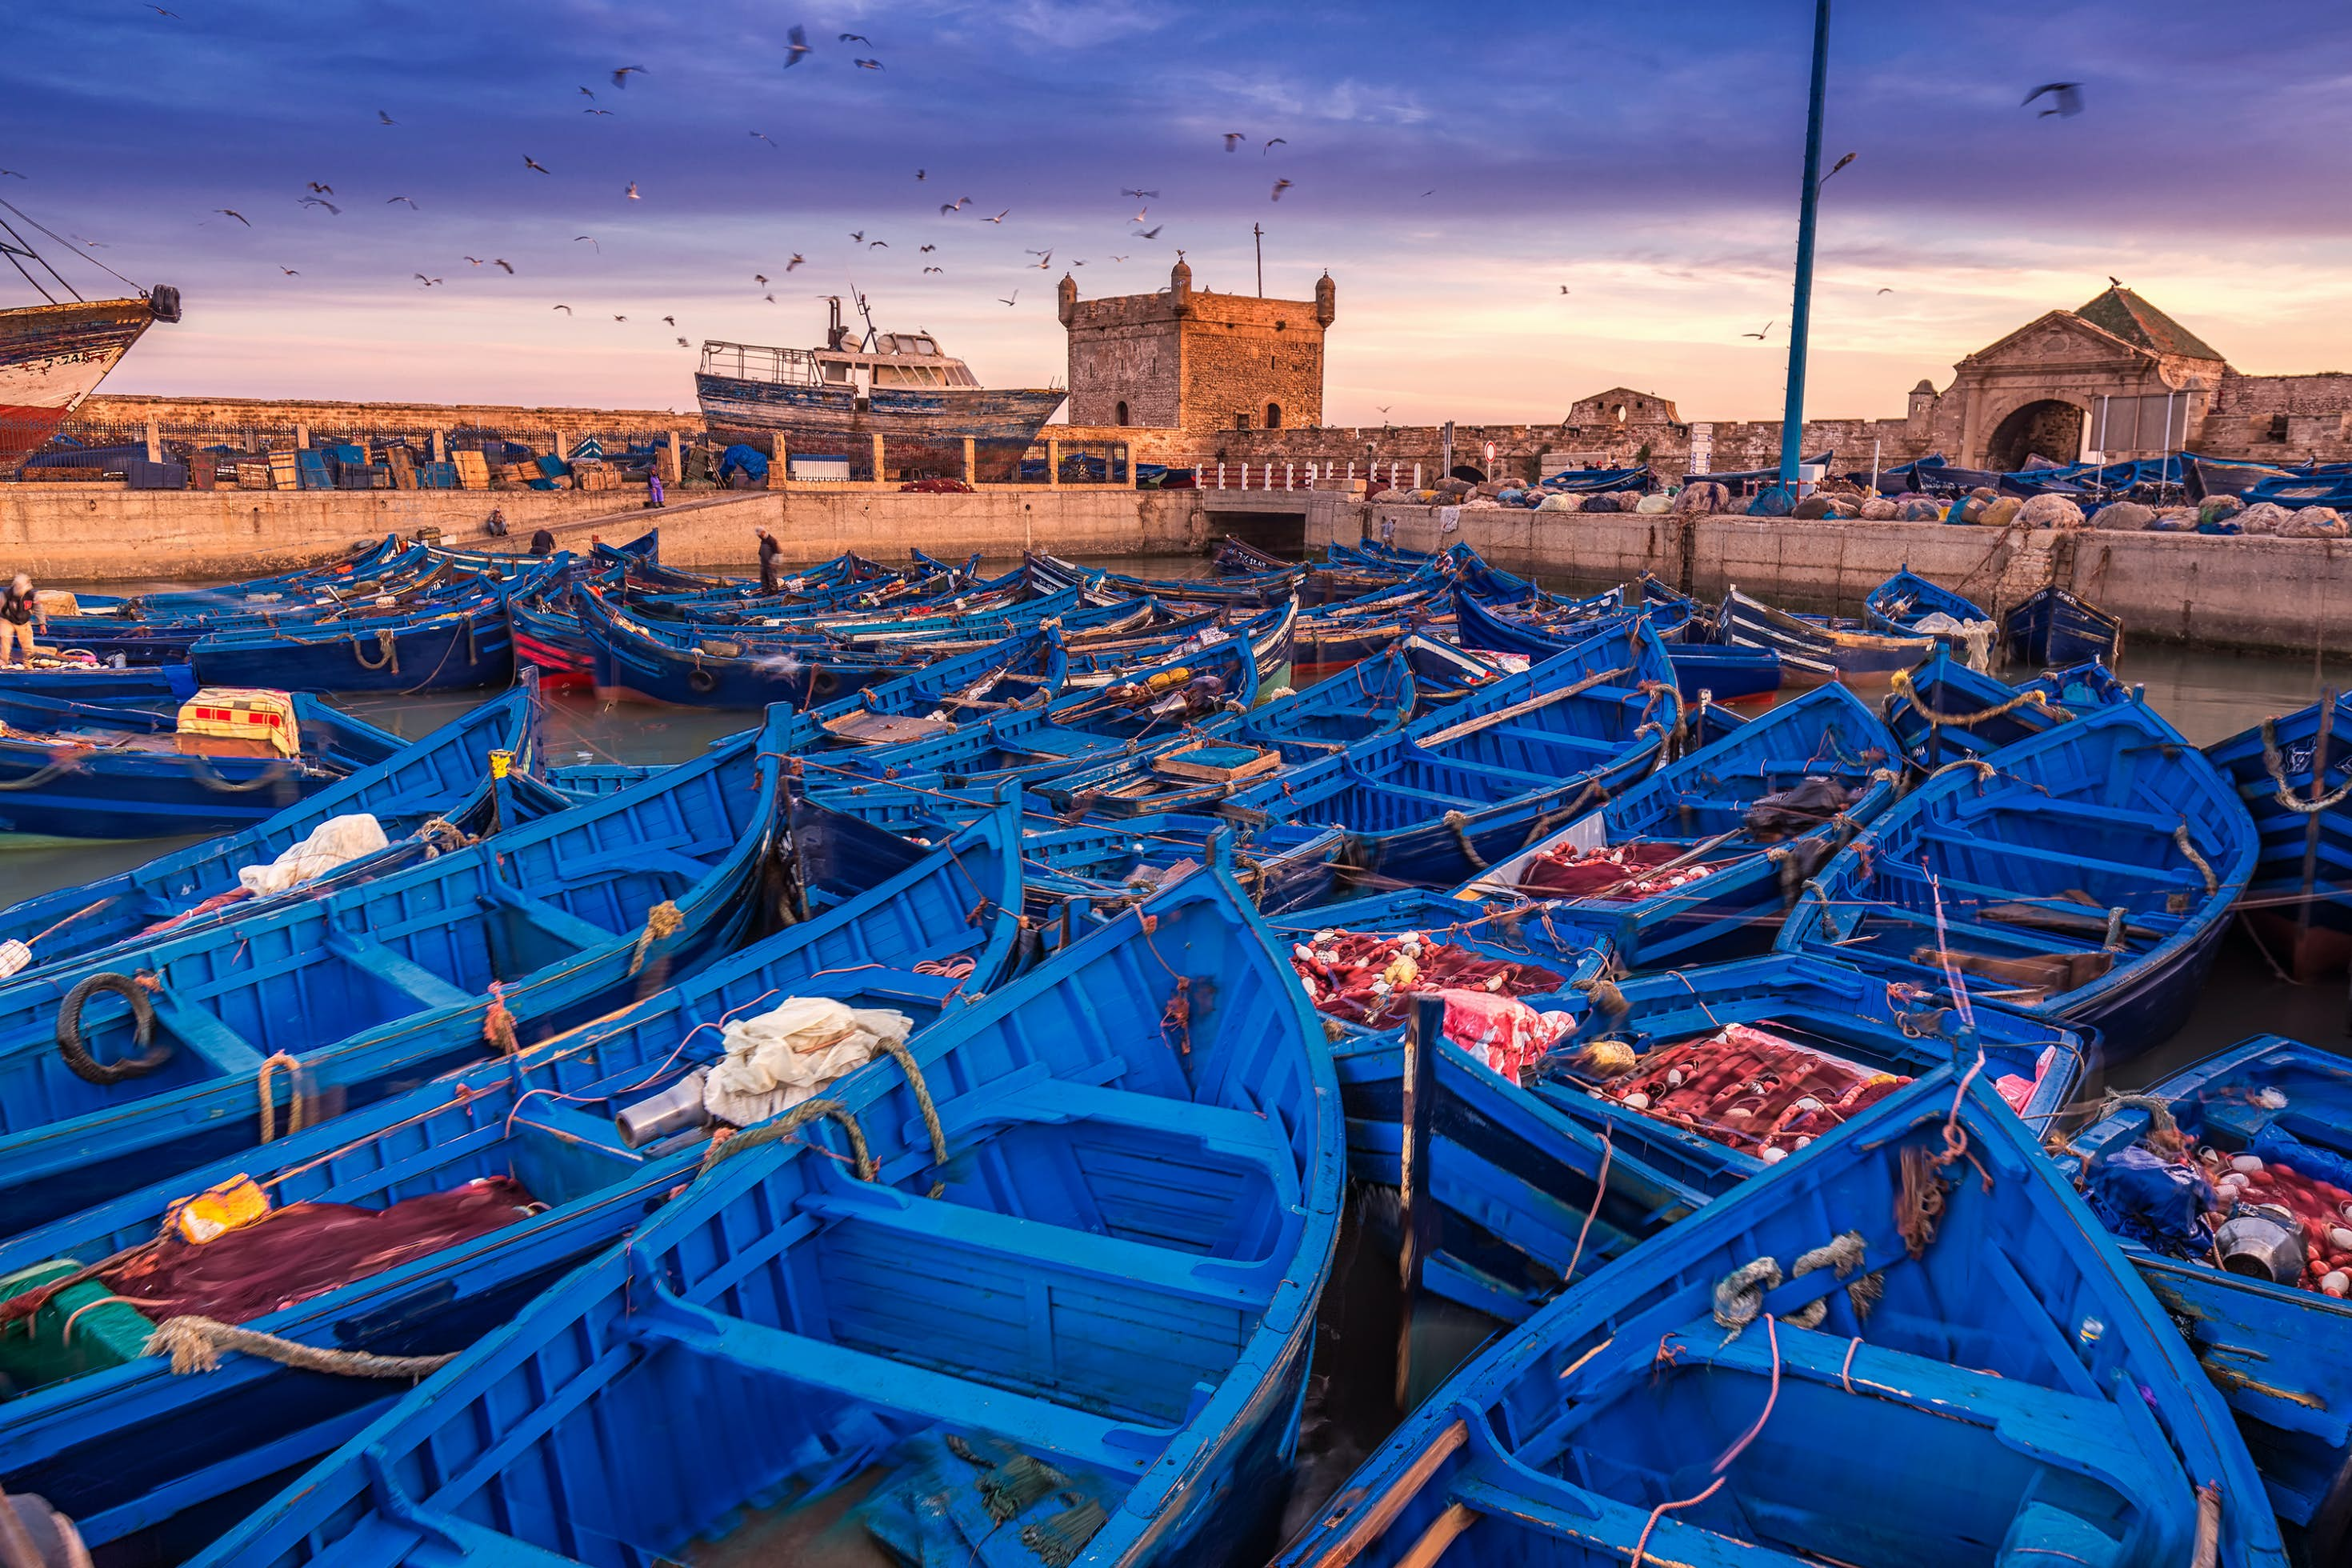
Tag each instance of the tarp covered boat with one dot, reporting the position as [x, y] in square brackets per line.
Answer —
[1080, 1328]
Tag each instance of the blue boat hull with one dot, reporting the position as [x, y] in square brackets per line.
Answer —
[2055, 627]
[440, 652]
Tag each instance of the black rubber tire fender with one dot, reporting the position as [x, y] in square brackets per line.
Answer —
[88, 1068]
[701, 680]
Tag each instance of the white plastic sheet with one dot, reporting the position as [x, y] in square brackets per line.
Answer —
[780, 1057]
[334, 842]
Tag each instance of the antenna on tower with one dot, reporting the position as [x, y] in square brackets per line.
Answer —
[1257, 241]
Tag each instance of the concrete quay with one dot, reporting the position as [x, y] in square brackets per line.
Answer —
[2247, 591]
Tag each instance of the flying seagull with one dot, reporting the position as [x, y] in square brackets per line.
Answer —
[1118, 258]
[621, 77]
[565, 308]
[683, 343]
[633, 192]
[386, 119]
[857, 237]
[955, 206]
[596, 111]
[473, 261]
[922, 174]
[318, 190]
[160, 11]
[591, 239]
[762, 137]
[865, 65]
[760, 277]
[232, 212]
[315, 201]
[672, 321]
[799, 46]
[620, 318]
[530, 162]
[1270, 146]
[934, 269]
[1887, 290]
[390, 200]
[929, 249]
[428, 282]
[1000, 217]
[13, 175]
[1016, 294]
[1151, 233]
[795, 261]
[1140, 195]
[289, 271]
[1563, 288]
[878, 245]
[1279, 186]
[2066, 99]
[502, 261]
[856, 39]
[1759, 336]
[1234, 139]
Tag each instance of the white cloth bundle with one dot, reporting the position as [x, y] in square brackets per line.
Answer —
[332, 843]
[787, 1054]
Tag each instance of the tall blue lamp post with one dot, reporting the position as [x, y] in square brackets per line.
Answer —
[1792, 415]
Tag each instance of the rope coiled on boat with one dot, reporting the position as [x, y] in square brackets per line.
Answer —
[387, 651]
[68, 762]
[898, 1052]
[1459, 826]
[781, 1130]
[2275, 765]
[1843, 1254]
[2180, 836]
[194, 1345]
[1740, 1295]
[213, 779]
[662, 921]
[264, 1080]
[1902, 686]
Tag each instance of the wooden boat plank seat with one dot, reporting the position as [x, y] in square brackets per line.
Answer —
[225, 1050]
[1537, 736]
[1499, 781]
[1033, 1095]
[401, 974]
[2186, 877]
[2034, 802]
[2093, 915]
[1404, 793]
[560, 924]
[1037, 1426]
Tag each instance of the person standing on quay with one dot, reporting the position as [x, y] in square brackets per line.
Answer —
[19, 608]
[772, 575]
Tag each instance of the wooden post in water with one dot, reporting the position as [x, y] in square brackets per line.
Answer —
[673, 460]
[970, 460]
[1416, 1209]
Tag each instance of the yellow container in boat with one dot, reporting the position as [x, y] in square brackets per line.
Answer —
[217, 1210]
[263, 720]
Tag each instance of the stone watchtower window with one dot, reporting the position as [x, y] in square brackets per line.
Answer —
[2278, 428]
[1119, 414]
[1241, 421]
[1274, 415]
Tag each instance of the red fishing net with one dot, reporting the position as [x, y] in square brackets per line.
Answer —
[1618, 871]
[2319, 1206]
[1752, 1089]
[307, 1250]
[1365, 977]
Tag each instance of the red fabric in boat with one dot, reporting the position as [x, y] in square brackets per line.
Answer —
[307, 1250]
[1568, 873]
[1339, 972]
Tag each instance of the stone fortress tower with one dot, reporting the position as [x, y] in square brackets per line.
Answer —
[1196, 360]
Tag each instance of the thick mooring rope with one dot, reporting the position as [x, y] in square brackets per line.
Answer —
[2275, 765]
[194, 1345]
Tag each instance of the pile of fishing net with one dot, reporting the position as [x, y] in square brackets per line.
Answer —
[252, 1259]
[1612, 871]
[2182, 1204]
[1364, 977]
[1749, 1088]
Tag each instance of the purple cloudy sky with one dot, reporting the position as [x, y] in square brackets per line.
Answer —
[1454, 167]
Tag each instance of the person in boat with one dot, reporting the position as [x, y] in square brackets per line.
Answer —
[542, 542]
[654, 490]
[20, 607]
[772, 571]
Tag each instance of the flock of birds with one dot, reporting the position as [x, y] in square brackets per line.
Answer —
[2065, 101]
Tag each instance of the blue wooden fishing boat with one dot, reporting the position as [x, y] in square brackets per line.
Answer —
[1701, 859]
[1726, 670]
[1070, 1322]
[494, 1180]
[1911, 1345]
[124, 685]
[433, 777]
[1084, 875]
[2056, 628]
[1260, 590]
[1901, 603]
[81, 770]
[1818, 647]
[1944, 710]
[451, 647]
[1225, 754]
[111, 1079]
[2083, 875]
[1488, 776]
[715, 669]
[2272, 1340]
[2294, 775]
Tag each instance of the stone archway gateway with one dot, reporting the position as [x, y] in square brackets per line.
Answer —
[2047, 427]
